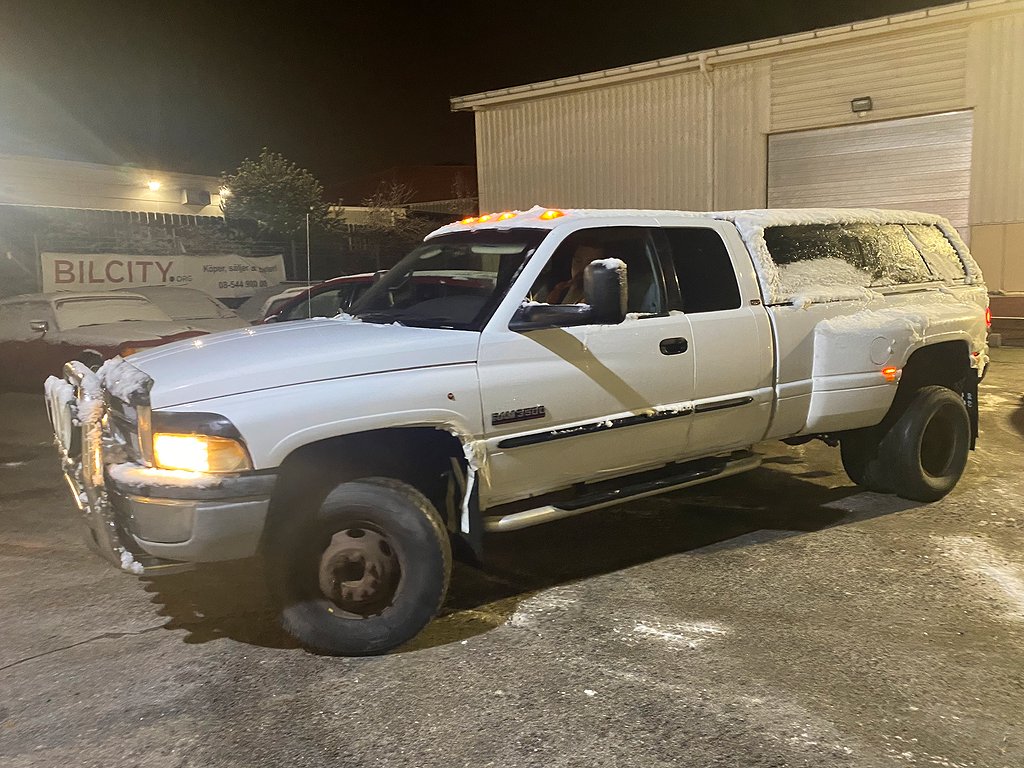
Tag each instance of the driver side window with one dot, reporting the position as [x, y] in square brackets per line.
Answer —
[561, 281]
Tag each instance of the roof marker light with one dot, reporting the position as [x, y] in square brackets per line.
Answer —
[506, 215]
[550, 214]
[890, 373]
[469, 220]
[486, 217]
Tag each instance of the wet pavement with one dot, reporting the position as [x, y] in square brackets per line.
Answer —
[778, 618]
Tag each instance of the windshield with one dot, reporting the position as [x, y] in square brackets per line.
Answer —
[78, 313]
[452, 281]
[186, 304]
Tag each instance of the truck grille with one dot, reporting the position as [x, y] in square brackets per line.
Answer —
[123, 426]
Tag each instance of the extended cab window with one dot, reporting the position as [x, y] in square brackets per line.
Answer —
[938, 252]
[707, 279]
[561, 281]
[812, 256]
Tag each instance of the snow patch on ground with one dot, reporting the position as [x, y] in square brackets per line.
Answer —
[1002, 578]
[686, 634]
[539, 607]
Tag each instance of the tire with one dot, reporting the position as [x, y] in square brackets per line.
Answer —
[859, 451]
[926, 449]
[368, 572]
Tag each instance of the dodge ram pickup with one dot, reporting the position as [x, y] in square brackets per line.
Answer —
[609, 355]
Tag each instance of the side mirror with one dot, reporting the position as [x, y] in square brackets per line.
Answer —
[40, 326]
[604, 284]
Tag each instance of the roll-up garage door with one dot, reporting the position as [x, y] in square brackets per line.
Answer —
[917, 164]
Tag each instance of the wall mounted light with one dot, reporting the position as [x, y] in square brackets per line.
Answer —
[861, 104]
[153, 185]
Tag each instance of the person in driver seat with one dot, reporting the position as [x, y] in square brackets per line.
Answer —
[571, 291]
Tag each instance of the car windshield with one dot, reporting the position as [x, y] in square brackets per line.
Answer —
[80, 312]
[450, 281]
[185, 304]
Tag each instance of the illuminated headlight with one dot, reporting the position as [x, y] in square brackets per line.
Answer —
[199, 453]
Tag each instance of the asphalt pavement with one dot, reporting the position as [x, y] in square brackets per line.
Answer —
[778, 618]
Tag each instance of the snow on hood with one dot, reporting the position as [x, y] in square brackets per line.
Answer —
[278, 355]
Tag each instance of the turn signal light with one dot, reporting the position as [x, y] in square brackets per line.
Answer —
[550, 214]
[890, 373]
[988, 317]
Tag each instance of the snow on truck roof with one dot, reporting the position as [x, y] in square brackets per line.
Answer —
[751, 225]
[552, 218]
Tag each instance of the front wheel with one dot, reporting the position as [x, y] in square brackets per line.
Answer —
[369, 572]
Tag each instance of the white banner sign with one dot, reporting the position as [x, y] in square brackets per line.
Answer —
[221, 276]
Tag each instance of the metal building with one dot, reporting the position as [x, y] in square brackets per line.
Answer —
[922, 110]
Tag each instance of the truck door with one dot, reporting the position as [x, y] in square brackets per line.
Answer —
[730, 331]
[568, 405]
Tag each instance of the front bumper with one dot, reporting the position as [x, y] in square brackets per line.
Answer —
[142, 519]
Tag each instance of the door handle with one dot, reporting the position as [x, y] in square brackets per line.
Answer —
[674, 346]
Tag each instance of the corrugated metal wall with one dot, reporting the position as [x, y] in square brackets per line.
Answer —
[634, 145]
[638, 145]
[741, 97]
[914, 72]
[996, 77]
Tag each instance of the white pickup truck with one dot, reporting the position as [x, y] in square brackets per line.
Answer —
[554, 362]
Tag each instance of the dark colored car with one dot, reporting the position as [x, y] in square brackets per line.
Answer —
[339, 294]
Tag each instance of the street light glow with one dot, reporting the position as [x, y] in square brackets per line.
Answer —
[153, 185]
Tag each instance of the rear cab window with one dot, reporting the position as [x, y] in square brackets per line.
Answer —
[816, 256]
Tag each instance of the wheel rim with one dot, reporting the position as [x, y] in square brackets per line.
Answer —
[359, 572]
[939, 442]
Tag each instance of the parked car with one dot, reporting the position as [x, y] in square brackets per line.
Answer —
[266, 300]
[40, 332]
[323, 299]
[340, 294]
[190, 305]
[608, 355]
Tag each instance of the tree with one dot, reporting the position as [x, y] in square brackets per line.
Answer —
[390, 225]
[275, 193]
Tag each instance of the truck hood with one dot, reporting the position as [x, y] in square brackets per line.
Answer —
[279, 355]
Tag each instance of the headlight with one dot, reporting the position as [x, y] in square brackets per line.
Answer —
[199, 453]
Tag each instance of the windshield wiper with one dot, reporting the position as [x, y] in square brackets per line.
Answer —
[381, 316]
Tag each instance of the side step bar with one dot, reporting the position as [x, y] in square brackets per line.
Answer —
[605, 494]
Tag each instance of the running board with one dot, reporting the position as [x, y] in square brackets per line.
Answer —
[646, 484]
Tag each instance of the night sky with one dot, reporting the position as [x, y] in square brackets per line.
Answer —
[340, 88]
